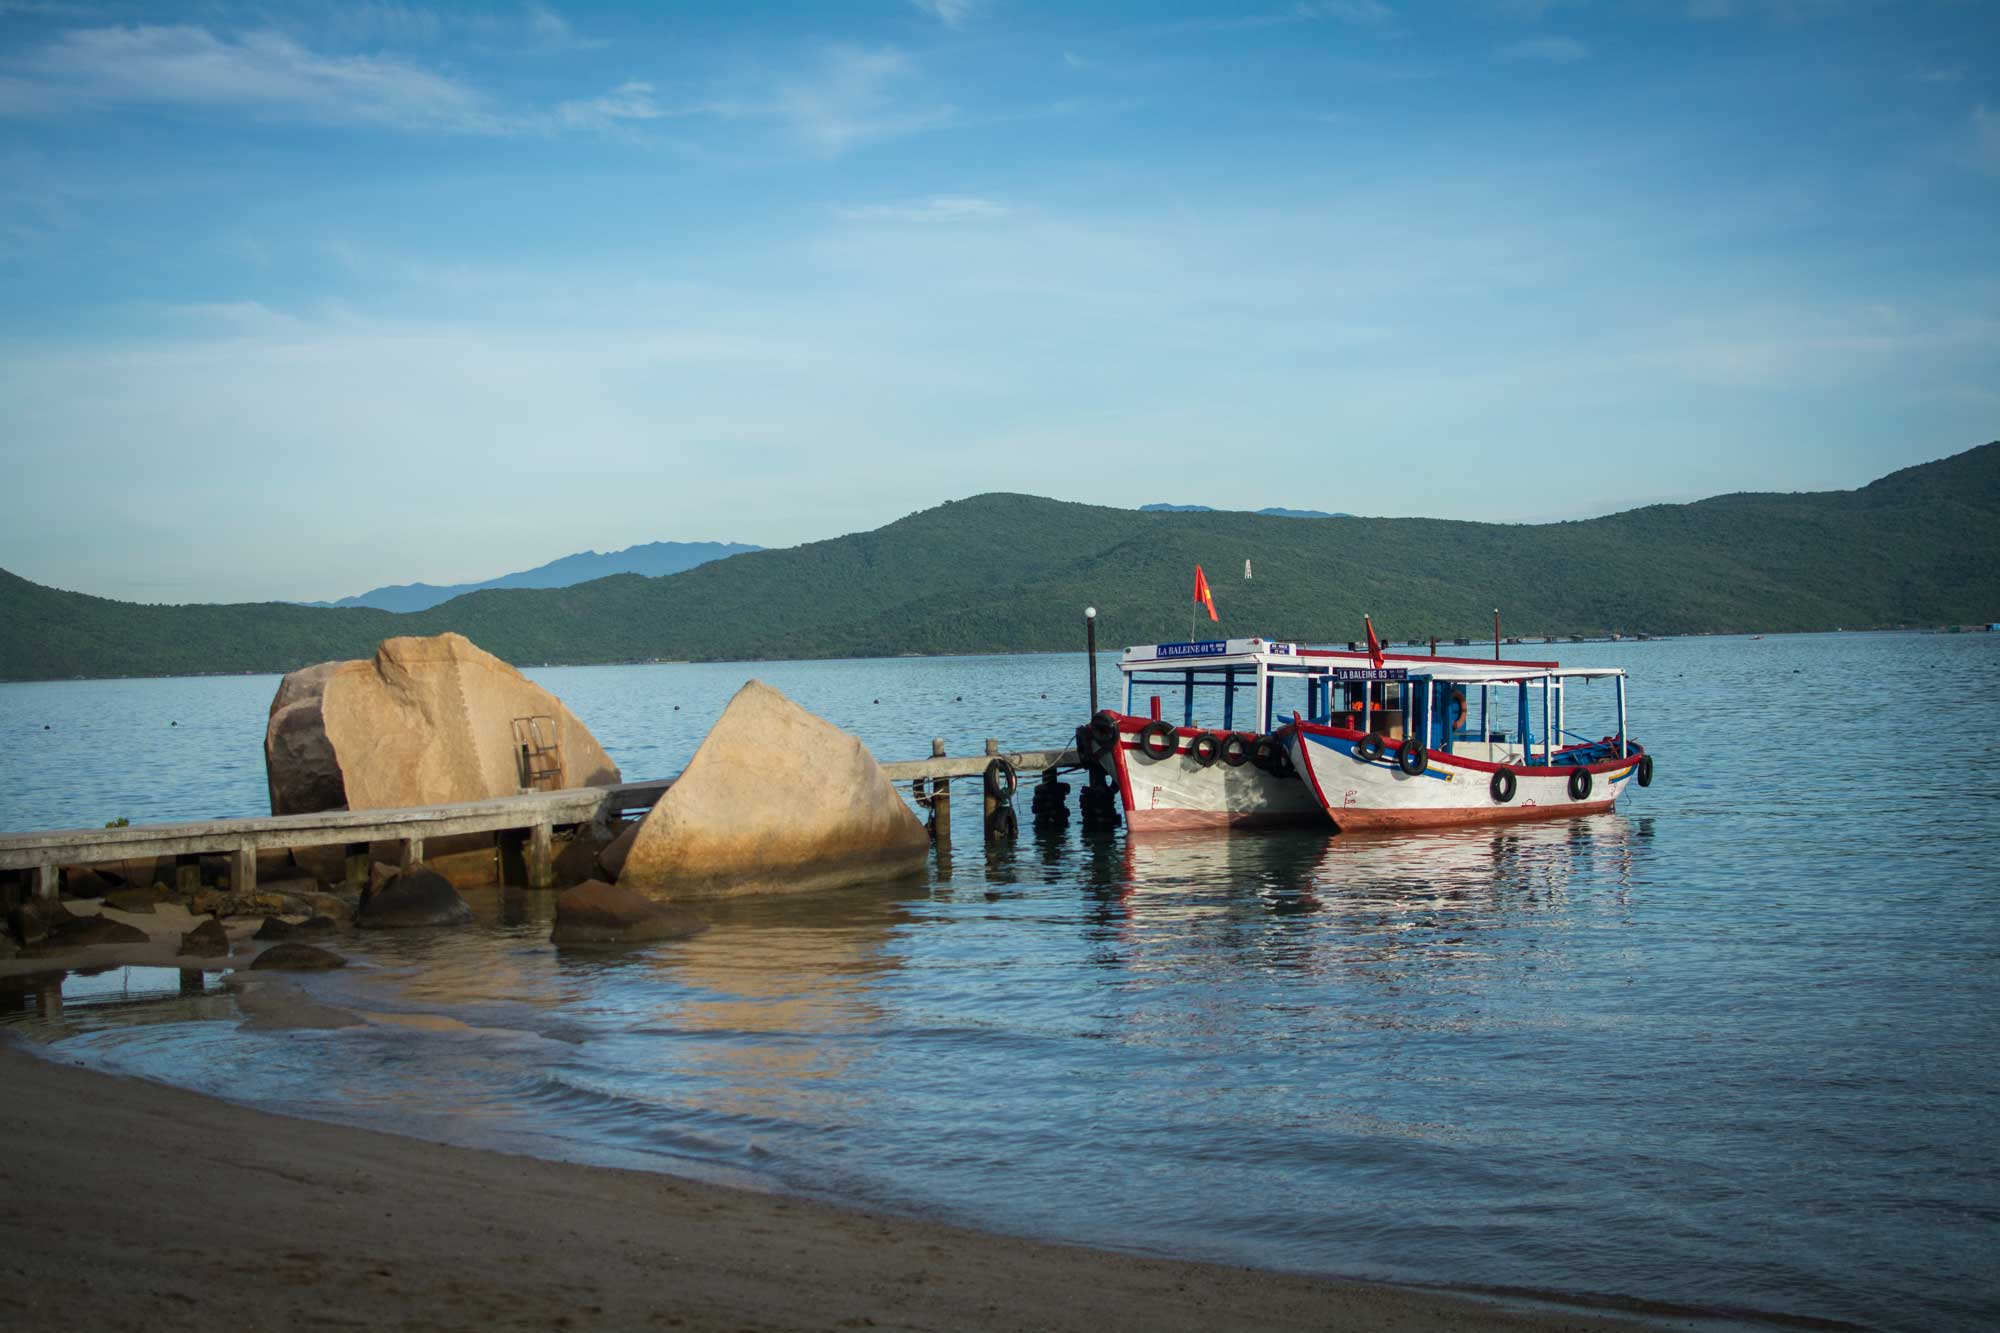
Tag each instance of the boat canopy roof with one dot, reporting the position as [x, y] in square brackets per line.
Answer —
[1222, 654]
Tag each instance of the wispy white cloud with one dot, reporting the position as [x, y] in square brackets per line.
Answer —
[1359, 13]
[1549, 50]
[631, 101]
[263, 73]
[1986, 139]
[1075, 61]
[1362, 13]
[532, 26]
[851, 98]
[1950, 74]
[1779, 11]
[951, 13]
[940, 208]
[1529, 11]
[272, 75]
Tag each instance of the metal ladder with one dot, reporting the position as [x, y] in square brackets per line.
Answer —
[539, 755]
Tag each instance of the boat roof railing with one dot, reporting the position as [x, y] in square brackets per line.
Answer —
[1223, 653]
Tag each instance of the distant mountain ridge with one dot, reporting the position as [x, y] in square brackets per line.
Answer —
[1273, 512]
[1011, 573]
[653, 560]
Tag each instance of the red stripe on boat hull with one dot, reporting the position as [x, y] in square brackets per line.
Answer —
[1146, 821]
[1448, 818]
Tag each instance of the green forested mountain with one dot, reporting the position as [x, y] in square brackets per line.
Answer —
[1001, 572]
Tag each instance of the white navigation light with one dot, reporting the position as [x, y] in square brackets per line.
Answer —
[1090, 612]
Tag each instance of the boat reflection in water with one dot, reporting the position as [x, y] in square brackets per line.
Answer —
[1302, 901]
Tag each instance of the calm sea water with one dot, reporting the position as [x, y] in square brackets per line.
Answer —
[1735, 1048]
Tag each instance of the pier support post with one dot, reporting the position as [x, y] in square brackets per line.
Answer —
[989, 802]
[541, 857]
[940, 802]
[243, 870]
[48, 882]
[357, 865]
[411, 852]
[187, 873]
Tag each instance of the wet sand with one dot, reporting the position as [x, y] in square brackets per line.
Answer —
[126, 1204]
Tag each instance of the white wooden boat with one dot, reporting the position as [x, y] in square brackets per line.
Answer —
[1201, 754]
[1417, 742]
[1382, 740]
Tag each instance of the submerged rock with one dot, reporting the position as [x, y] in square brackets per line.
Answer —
[612, 859]
[295, 957]
[775, 800]
[277, 928]
[418, 896]
[575, 858]
[82, 931]
[136, 902]
[36, 919]
[598, 913]
[87, 882]
[207, 940]
[425, 721]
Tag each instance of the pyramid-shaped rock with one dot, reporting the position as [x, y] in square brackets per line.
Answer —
[775, 800]
[424, 721]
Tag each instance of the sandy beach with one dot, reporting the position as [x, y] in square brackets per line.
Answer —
[126, 1204]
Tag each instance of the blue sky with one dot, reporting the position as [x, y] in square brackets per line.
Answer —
[301, 299]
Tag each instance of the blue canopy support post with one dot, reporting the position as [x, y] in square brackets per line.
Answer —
[1229, 699]
[1548, 723]
[1187, 706]
[1521, 724]
[1620, 682]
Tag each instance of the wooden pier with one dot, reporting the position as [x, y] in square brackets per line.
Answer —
[524, 824]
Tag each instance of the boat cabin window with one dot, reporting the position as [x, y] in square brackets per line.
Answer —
[1218, 697]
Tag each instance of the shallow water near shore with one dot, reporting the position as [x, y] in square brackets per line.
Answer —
[1730, 1049]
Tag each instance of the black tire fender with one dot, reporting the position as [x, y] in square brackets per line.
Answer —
[1503, 785]
[1205, 748]
[1369, 748]
[1235, 750]
[1266, 754]
[1157, 740]
[1104, 728]
[1001, 780]
[1580, 783]
[1412, 757]
[1645, 770]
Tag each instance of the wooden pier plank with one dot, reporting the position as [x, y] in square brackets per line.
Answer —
[539, 813]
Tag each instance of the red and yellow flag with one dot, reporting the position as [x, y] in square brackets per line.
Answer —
[1202, 596]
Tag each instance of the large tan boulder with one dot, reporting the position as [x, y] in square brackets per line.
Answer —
[423, 722]
[775, 800]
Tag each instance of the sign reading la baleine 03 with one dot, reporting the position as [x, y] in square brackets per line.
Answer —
[1371, 673]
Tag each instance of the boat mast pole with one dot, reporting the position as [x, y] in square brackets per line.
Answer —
[1496, 633]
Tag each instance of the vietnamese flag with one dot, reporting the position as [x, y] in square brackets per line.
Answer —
[1374, 644]
[1202, 596]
